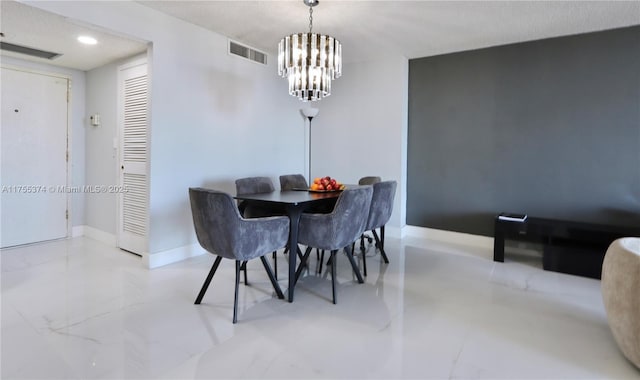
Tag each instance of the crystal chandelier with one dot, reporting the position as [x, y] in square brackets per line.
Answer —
[310, 61]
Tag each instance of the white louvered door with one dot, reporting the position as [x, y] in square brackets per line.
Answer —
[133, 116]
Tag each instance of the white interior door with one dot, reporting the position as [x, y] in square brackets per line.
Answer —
[133, 111]
[34, 157]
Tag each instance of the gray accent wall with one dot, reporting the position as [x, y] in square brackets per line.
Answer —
[550, 128]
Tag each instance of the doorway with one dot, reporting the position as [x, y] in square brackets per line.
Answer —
[34, 179]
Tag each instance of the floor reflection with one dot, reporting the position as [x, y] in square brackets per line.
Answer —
[79, 309]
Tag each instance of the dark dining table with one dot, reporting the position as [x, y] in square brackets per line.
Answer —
[294, 203]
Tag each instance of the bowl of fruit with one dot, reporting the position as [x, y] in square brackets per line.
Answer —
[324, 184]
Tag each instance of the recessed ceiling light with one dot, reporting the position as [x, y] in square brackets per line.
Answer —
[87, 40]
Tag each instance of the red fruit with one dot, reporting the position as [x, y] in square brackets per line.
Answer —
[329, 187]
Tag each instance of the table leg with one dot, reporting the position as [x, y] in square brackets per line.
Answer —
[294, 212]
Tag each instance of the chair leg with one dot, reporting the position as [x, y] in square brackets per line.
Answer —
[275, 264]
[321, 261]
[362, 242]
[381, 247]
[353, 264]
[364, 258]
[272, 278]
[235, 298]
[302, 265]
[318, 261]
[243, 267]
[205, 286]
[333, 275]
[300, 255]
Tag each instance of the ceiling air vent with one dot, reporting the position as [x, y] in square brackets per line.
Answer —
[247, 52]
[28, 51]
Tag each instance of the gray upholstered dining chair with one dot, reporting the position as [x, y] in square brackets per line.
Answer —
[297, 181]
[369, 180]
[337, 230]
[293, 181]
[222, 231]
[379, 214]
[254, 185]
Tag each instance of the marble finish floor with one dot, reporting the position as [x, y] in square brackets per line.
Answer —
[77, 309]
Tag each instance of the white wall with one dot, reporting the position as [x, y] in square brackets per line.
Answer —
[228, 118]
[214, 117]
[77, 127]
[361, 128]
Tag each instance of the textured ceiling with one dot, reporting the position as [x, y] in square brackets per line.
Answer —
[412, 28]
[32, 27]
[367, 29]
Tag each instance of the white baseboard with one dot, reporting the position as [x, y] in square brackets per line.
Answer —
[150, 260]
[172, 255]
[449, 236]
[99, 235]
[392, 231]
[77, 231]
[182, 253]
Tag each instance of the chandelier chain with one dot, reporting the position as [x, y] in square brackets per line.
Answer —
[310, 19]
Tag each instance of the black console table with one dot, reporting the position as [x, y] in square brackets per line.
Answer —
[569, 247]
